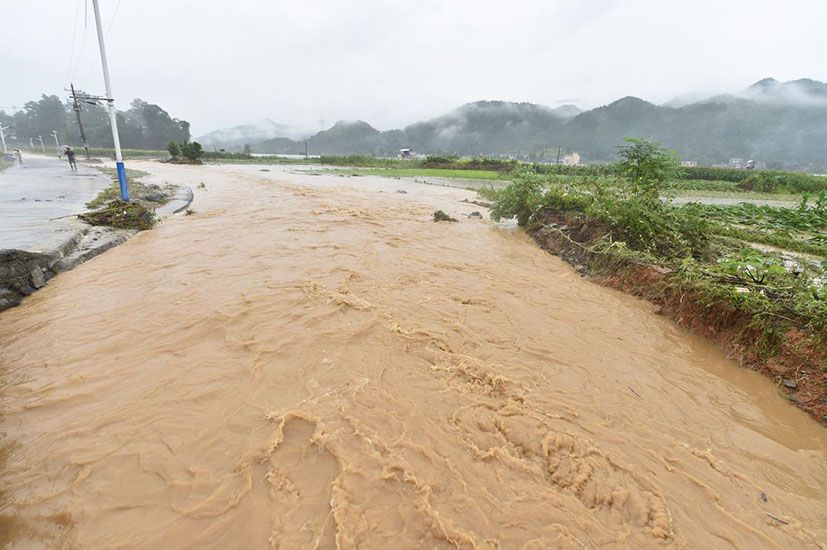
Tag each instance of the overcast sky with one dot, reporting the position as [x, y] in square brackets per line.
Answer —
[221, 63]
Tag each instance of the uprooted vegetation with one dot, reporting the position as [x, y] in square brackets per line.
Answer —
[108, 209]
[750, 277]
[121, 215]
[150, 195]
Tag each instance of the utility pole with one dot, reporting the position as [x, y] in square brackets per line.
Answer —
[305, 149]
[76, 107]
[558, 154]
[110, 102]
[31, 143]
[42, 147]
[3, 139]
[57, 143]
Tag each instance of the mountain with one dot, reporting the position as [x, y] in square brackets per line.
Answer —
[781, 124]
[238, 136]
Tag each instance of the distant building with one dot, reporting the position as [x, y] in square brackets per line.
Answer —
[572, 159]
[689, 163]
[406, 153]
[736, 163]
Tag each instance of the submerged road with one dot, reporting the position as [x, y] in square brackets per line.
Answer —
[34, 194]
[312, 362]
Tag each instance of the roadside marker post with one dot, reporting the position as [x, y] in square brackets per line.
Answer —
[57, 143]
[110, 102]
[42, 147]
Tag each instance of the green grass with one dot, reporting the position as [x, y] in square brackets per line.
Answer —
[113, 192]
[487, 175]
[4, 164]
[127, 153]
[213, 159]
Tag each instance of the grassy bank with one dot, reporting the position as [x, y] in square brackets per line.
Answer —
[488, 175]
[127, 153]
[751, 278]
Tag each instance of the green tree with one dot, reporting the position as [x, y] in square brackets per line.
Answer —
[192, 150]
[39, 118]
[647, 164]
[174, 150]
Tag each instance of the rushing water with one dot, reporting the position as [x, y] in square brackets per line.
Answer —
[310, 361]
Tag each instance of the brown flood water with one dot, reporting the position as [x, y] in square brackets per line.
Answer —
[311, 362]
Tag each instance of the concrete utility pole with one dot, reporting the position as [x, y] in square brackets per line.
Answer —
[3, 139]
[57, 143]
[42, 147]
[31, 143]
[110, 102]
[76, 106]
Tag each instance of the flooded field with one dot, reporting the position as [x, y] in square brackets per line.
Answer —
[312, 362]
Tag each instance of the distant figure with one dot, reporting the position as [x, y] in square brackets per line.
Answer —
[70, 154]
[19, 156]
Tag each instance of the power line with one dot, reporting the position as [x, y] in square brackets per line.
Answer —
[74, 38]
[97, 57]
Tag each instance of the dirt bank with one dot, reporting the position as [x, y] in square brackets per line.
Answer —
[797, 370]
[313, 362]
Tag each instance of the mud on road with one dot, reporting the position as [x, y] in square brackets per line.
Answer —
[313, 362]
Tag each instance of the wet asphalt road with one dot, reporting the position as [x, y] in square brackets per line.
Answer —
[32, 195]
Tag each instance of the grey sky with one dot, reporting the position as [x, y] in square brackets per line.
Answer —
[218, 63]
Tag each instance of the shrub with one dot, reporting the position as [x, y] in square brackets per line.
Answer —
[520, 199]
[174, 150]
[191, 150]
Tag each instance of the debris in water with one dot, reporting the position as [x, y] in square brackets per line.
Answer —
[121, 215]
[634, 392]
[764, 497]
[779, 520]
[440, 216]
[402, 191]
[475, 214]
[478, 203]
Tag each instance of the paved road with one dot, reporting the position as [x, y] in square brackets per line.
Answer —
[42, 189]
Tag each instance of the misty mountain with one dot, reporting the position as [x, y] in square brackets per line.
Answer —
[781, 124]
[238, 136]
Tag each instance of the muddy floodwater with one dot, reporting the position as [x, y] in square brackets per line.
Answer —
[312, 362]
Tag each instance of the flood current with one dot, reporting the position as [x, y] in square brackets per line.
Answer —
[312, 362]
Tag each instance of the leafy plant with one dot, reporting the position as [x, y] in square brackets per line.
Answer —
[647, 164]
[521, 199]
[173, 149]
[191, 150]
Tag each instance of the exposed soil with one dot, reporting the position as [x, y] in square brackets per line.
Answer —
[798, 369]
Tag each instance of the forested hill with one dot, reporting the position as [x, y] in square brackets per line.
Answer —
[781, 124]
[142, 126]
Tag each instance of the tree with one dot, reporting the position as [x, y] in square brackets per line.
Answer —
[247, 149]
[192, 150]
[174, 150]
[647, 164]
[39, 118]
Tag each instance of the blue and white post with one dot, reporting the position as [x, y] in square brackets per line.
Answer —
[110, 103]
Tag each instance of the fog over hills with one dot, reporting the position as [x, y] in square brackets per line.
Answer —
[781, 124]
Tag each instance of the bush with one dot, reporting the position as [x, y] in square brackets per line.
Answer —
[191, 150]
[520, 199]
[174, 150]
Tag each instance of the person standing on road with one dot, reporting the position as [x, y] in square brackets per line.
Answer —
[70, 154]
[19, 156]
